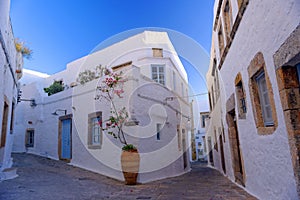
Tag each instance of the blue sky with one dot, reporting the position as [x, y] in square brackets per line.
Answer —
[60, 31]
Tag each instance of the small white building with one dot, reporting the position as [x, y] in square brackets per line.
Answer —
[200, 141]
[253, 81]
[11, 63]
[155, 97]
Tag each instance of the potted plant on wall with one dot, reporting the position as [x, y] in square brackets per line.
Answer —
[112, 87]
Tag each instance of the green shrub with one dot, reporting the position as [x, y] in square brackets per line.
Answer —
[56, 87]
[129, 147]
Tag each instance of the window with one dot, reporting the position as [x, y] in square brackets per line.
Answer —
[187, 94]
[158, 73]
[95, 130]
[12, 118]
[240, 96]
[29, 138]
[264, 99]
[227, 20]
[158, 131]
[204, 143]
[216, 140]
[199, 144]
[174, 81]
[221, 40]
[210, 100]
[211, 155]
[157, 52]
[203, 117]
[215, 86]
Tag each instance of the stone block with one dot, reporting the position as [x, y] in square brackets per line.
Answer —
[256, 64]
[289, 50]
[266, 130]
[287, 78]
[230, 103]
[292, 119]
[290, 98]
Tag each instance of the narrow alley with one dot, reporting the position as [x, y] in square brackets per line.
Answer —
[42, 178]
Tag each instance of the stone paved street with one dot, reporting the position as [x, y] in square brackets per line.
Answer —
[45, 179]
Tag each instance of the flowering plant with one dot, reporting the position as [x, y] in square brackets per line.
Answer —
[111, 87]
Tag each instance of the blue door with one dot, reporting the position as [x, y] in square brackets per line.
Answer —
[66, 139]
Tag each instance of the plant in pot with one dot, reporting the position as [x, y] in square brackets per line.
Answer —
[112, 87]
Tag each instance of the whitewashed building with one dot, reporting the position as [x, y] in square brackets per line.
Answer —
[200, 141]
[253, 82]
[155, 97]
[10, 71]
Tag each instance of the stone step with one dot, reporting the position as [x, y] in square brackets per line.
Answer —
[8, 173]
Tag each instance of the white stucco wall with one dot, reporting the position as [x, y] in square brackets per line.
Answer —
[10, 60]
[267, 161]
[159, 159]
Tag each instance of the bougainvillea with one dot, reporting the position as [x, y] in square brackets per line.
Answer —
[110, 88]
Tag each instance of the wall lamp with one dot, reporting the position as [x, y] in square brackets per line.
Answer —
[32, 101]
[59, 110]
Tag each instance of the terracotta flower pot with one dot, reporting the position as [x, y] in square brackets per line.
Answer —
[130, 161]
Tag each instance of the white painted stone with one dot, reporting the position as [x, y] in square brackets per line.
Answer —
[10, 60]
[267, 160]
[159, 159]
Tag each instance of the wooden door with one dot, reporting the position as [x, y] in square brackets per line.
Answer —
[65, 139]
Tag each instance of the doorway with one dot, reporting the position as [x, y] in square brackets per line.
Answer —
[185, 158]
[211, 155]
[237, 163]
[4, 125]
[65, 138]
[222, 154]
[3, 130]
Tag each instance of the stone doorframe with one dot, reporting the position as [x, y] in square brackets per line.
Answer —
[234, 142]
[3, 133]
[285, 59]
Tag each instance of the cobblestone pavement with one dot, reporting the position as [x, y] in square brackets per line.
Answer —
[44, 179]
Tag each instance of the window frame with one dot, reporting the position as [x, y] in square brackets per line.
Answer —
[216, 140]
[29, 135]
[268, 121]
[203, 118]
[221, 40]
[157, 67]
[256, 66]
[240, 95]
[227, 18]
[91, 128]
[157, 52]
[158, 131]
[174, 81]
